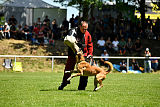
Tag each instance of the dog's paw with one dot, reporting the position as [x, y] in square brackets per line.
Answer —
[96, 89]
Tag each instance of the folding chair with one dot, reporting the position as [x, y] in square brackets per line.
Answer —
[7, 64]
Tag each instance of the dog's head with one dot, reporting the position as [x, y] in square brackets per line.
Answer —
[80, 57]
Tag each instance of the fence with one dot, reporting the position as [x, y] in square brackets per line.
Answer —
[64, 57]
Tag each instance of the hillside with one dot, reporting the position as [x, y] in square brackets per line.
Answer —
[20, 47]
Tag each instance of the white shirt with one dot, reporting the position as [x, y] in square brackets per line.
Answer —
[101, 42]
[115, 43]
[105, 55]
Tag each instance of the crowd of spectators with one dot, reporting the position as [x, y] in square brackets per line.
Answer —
[112, 35]
[41, 32]
[116, 35]
[123, 35]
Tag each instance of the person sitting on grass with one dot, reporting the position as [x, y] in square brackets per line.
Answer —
[123, 66]
[135, 65]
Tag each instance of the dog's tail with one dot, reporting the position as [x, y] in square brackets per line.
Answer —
[109, 65]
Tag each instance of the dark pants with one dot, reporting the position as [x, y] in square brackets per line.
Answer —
[71, 61]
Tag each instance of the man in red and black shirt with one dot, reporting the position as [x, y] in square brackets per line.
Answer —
[84, 42]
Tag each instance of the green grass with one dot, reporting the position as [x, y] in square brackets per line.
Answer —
[39, 89]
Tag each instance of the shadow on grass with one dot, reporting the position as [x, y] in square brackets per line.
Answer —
[66, 90]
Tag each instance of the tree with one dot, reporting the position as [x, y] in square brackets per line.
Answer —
[83, 5]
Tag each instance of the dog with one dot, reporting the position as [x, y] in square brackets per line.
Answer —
[86, 69]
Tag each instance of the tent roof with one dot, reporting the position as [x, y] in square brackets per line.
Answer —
[28, 4]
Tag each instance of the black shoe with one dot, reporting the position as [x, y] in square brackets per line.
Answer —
[81, 88]
[60, 87]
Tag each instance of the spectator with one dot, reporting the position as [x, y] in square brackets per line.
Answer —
[109, 44]
[157, 27]
[129, 45]
[147, 61]
[54, 26]
[34, 40]
[148, 22]
[47, 21]
[72, 21]
[19, 32]
[115, 44]
[25, 32]
[13, 31]
[1, 32]
[123, 66]
[135, 65]
[101, 44]
[104, 54]
[76, 20]
[6, 31]
[51, 38]
[41, 37]
[36, 30]
[45, 29]
[39, 22]
[65, 24]
[122, 46]
[138, 46]
[98, 31]
[12, 20]
[154, 64]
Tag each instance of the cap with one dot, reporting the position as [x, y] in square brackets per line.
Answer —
[105, 50]
[6, 23]
[138, 38]
[147, 49]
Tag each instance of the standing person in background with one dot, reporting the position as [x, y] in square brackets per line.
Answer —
[12, 20]
[65, 24]
[72, 21]
[6, 31]
[39, 22]
[47, 21]
[147, 61]
[84, 42]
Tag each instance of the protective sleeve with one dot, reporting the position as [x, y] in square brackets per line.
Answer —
[90, 45]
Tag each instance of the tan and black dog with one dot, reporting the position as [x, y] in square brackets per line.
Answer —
[85, 69]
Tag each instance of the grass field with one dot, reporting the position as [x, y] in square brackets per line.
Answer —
[39, 89]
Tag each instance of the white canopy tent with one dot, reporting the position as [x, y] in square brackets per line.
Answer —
[27, 11]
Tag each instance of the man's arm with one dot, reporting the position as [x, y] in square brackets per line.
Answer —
[90, 45]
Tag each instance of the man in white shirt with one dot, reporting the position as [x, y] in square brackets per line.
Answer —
[101, 44]
[115, 44]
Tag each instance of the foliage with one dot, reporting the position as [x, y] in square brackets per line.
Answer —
[83, 5]
[39, 89]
